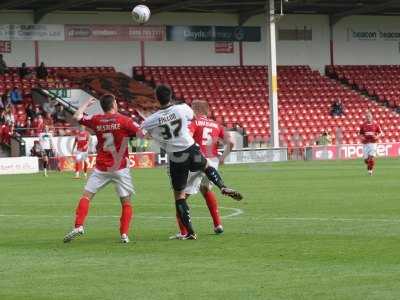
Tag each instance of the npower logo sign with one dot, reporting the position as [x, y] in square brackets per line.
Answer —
[353, 151]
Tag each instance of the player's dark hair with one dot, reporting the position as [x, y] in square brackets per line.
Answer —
[163, 94]
[107, 102]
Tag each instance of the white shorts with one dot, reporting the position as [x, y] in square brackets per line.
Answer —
[81, 156]
[198, 179]
[121, 178]
[369, 150]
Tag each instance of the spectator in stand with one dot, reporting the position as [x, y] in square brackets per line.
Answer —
[5, 98]
[2, 116]
[337, 109]
[60, 115]
[9, 116]
[30, 111]
[41, 71]
[3, 65]
[37, 112]
[38, 124]
[24, 72]
[48, 120]
[325, 139]
[15, 96]
[29, 128]
[50, 107]
[7, 131]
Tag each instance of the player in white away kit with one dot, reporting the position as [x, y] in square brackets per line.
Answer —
[170, 128]
[47, 143]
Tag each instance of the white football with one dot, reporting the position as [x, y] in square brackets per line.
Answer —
[141, 14]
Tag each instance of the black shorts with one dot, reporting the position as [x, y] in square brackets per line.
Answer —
[48, 153]
[180, 163]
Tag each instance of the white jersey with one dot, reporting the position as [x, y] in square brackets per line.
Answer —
[45, 140]
[170, 127]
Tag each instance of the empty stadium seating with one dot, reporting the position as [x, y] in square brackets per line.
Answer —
[379, 81]
[239, 95]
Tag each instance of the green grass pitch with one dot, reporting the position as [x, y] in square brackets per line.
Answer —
[309, 230]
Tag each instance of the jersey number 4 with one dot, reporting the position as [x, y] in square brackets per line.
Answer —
[172, 129]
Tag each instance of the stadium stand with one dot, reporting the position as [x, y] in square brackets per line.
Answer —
[238, 97]
[54, 80]
[379, 81]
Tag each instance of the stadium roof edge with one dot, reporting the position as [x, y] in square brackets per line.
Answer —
[244, 9]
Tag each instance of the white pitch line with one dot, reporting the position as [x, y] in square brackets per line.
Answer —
[328, 219]
[236, 212]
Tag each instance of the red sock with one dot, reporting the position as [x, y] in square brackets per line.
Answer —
[85, 167]
[81, 211]
[371, 163]
[77, 166]
[126, 217]
[212, 205]
[182, 227]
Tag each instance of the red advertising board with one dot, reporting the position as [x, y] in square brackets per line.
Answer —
[142, 160]
[116, 33]
[224, 47]
[353, 151]
[5, 46]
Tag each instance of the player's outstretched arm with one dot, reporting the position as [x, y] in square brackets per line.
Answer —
[228, 143]
[78, 115]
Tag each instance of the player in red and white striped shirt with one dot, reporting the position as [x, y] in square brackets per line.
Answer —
[370, 132]
[81, 143]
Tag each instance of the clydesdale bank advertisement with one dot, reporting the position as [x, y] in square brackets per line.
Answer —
[213, 33]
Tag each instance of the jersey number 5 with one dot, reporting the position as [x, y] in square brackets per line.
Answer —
[171, 130]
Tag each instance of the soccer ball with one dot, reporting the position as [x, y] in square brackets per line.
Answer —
[141, 14]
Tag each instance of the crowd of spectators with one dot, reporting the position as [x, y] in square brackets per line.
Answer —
[13, 101]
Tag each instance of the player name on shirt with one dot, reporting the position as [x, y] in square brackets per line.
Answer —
[206, 123]
[167, 118]
[108, 127]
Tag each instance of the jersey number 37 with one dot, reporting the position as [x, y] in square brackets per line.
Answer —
[171, 129]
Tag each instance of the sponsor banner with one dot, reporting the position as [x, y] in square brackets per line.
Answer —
[257, 156]
[63, 144]
[373, 35]
[5, 46]
[114, 33]
[353, 151]
[32, 32]
[19, 165]
[243, 156]
[142, 160]
[213, 33]
[224, 47]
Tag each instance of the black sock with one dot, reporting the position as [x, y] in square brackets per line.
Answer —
[184, 214]
[45, 163]
[214, 177]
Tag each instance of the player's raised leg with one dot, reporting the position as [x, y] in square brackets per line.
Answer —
[214, 176]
